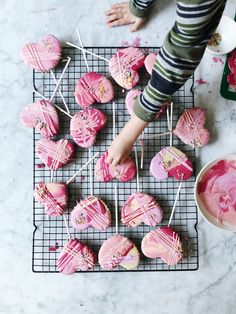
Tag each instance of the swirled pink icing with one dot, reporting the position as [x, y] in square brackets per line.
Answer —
[217, 191]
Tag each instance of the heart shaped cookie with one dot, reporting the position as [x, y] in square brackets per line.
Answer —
[75, 256]
[171, 162]
[91, 212]
[53, 196]
[149, 62]
[106, 172]
[163, 242]
[43, 56]
[139, 208]
[55, 154]
[42, 116]
[190, 127]
[84, 126]
[93, 87]
[118, 250]
[124, 66]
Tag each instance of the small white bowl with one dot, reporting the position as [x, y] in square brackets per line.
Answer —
[204, 212]
[227, 31]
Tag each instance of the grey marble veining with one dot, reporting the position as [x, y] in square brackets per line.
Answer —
[209, 290]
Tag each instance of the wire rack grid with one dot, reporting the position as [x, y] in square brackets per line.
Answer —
[49, 234]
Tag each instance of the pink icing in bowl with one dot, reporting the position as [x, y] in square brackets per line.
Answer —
[215, 193]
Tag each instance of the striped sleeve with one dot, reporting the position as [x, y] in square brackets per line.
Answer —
[180, 54]
[141, 8]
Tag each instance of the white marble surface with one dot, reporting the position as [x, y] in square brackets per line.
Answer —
[212, 289]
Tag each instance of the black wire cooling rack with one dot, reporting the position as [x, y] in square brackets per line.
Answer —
[49, 235]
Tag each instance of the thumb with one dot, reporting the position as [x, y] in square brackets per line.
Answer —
[137, 25]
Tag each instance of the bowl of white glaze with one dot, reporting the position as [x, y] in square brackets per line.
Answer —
[215, 198]
[224, 38]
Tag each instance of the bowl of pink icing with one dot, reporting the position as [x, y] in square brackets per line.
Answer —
[215, 193]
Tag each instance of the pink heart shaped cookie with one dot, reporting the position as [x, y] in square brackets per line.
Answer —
[171, 162]
[118, 250]
[149, 62]
[53, 196]
[43, 56]
[164, 243]
[124, 66]
[84, 126]
[55, 154]
[106, 172]
[91, 212]
[42, 116]
[190, 127]
[139, 208]
[93, 87]
[75, 256]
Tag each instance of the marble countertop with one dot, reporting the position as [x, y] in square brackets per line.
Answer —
[211, 289]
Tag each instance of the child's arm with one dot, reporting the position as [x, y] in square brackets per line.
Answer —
[177, 59]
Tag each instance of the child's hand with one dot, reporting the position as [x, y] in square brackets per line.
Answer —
[119, 14]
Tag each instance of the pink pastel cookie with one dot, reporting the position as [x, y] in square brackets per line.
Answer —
[130, 99]
[84, 126]
[91, 212]
[140, 208]
[163, 242]
[75, 256]
[53, 196]
[118, 250]
[190, 127]
[42, 116]
[149, 62]
[106, 172]
[171, 162]
[93, 87]
[55, 154]
[124, 66]
[43, 56]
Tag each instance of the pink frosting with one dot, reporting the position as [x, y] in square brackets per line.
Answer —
[164, 243]
[149, 62]
[42, 116]
[93, 87]
[117, 250]
[217, 191]
[171, 162]
[106, 172]
[91, 212]
[55, 154]
[190, 127]
[140, 208]
[75, 256]
[231, 78]
[53, 196]
[43, 56]
[130, 99]
[124, 66]
[84, 126]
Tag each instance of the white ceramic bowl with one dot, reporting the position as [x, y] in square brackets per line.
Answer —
[204, 212]
[227, 30]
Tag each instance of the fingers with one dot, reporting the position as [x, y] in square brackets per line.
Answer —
[113, 17]
[118, 22]
[111, 12]
[137, 25]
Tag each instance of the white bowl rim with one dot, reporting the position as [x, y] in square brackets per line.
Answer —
[196, 194]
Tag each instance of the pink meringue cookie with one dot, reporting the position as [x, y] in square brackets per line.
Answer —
[124, 66]
[171, 162]
[93, 87]
[84, 126]
[106, 172]
[139, 208]
[75, 256]
[43, 56]
[91, 212]
[149, 62]
[217, 191]
[130, 99]
[55, 154]
[118, 250]
[42, 116]
[54, 197]
[190, 127]
[164, 243]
